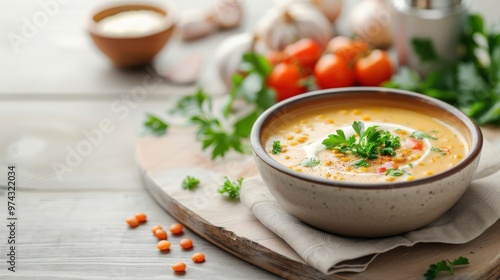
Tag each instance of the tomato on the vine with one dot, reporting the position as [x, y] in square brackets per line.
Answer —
[286, 80]
[374, 69]
[346, 48]
[304, 52]
[332, 71]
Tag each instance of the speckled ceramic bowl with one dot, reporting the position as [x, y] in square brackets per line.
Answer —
[361, 209]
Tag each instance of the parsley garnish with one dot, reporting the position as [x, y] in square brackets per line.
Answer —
[434, 149]
[410, 165]
[395, 172]
[361, 163]
[310, 162]
[218, 132]
[421, 135]
[190, 183]
[370, 143]
[155, 125]
[231, 188]
[276, 147]
[444, 265]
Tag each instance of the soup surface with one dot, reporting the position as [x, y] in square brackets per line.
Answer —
[365, 144]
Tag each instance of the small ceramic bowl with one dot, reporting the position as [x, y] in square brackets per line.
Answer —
[132, 50]
[363, 209]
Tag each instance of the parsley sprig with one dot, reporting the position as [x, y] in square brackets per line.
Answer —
[190, 183]
[154, 125]
[370, 143]
[276, 147]
[231, 188]
[220, 133]
[444, 265]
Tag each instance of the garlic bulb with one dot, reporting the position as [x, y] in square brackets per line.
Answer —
[227, 14]
[283, 25]
[371, 21]
[228, 55]
[330, 8]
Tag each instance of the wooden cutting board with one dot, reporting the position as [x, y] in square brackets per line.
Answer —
[165, 161]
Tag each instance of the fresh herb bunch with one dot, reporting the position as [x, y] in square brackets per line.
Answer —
[472, 84]
[231, 188]
[219, 133]
[370, 143]
[190, 183]
[444, 265]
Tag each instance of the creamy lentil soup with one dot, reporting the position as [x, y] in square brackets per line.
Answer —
[408, 145]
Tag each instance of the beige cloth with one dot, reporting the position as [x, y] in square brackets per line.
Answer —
[478, 209]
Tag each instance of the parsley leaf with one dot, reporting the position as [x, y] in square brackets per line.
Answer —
[444, 265]
[424, 49]
[231, 188]
[395, 172]
[310, 162]
[154, 125]
[361, 163]
[276, 147]
[434, 149]
[421, 135]
[190, 183]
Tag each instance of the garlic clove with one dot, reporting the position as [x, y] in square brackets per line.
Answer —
[196, 25]
[185, 71]
[228, 55]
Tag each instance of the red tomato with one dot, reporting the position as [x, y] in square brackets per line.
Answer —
[332, 71]
[305, 52]
[382, 170]
[374, 69]
[286, 80]
[346, 48]
[415, 144]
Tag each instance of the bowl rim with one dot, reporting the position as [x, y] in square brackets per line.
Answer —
[259, 151]
[170, 19]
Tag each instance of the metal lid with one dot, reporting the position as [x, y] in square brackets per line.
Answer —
[433, 4]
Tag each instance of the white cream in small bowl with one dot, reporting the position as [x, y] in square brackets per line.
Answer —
[134, 23]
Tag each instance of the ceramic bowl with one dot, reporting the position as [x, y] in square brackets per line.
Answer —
[362, 209]
[128, 50]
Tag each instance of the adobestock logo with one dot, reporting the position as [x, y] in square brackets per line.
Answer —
[31, 26]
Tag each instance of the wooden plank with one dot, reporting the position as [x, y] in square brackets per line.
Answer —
[68, 235]
[229, 225]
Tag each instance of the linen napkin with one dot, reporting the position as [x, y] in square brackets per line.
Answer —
[478, 209]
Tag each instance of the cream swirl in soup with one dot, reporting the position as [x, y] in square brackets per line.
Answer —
[366, 144]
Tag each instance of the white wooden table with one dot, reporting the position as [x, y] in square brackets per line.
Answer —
[73, 226]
